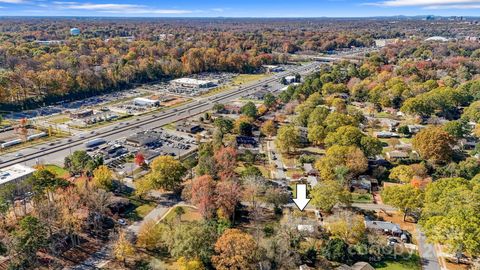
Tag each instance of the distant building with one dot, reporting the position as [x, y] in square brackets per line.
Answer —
[15, 174]
[75, 31]
[233, 108]
[143, 139]
[290, 79]
[380, 43]
[272, 68]
[437, 39]
[413, 129]
[81, 114]
[146, 102]
[397, 155]
[192, 83]
[246, 141]
[386, 134]
[49, 42]
[188, 127]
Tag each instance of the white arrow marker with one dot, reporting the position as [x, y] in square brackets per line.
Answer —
[301, 201]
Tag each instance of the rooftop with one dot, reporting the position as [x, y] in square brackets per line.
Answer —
[190, 81]
[14, 172]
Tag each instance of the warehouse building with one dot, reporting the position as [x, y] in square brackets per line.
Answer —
[81, 114]
[192, 83]
[146, 102]
[15, 174]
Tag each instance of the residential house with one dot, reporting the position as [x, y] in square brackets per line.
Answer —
[386, 135]
[414, 129]
[383, 226]
[396, 155]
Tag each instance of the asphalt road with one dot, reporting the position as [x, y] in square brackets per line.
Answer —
[44, 153]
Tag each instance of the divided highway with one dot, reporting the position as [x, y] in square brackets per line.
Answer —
[45, 153]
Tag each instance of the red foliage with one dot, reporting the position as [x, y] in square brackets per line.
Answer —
[201, 193]
[226, 158]
[139, 159]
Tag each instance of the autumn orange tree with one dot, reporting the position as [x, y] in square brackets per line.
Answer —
[235, 250]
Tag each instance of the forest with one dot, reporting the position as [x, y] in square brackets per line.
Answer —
[116, 54]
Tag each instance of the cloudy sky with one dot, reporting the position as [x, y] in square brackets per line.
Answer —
[243, 8]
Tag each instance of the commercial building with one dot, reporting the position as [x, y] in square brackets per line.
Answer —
[290, 79]
[192, 83]
[272, 68]
[81, 114]
[188, 127]
[144, 138]
[15, 174]
[146, 102]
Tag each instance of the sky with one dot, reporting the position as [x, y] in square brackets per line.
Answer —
[239, 8]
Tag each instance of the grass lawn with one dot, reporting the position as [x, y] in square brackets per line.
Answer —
[291, 172]
[144, 209]
[412, 263]
[57, 170]
[170, 126]
[59, 119]
[141, 208]
[362, 197]
[191, 214]
[288, 160]
[246, 78]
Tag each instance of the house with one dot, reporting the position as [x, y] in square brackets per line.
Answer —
[383, 226]
[233, 108]
[361, 184]
[306, 228]
[403, 146]
[386, 135]
[259, 95]
[414, 129]
[246, 140]
[186, 127]
[397, 155]
[468, 144]
[309, 170]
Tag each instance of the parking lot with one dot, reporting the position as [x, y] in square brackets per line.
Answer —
[151, 143]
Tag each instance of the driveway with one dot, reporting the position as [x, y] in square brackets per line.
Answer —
[428, 254]
[279, 172]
